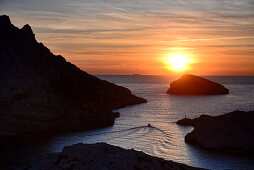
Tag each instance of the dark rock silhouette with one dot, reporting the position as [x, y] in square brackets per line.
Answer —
[41, 92]
[232, 132]
[102, 156]
[194, 85]
[193, 122]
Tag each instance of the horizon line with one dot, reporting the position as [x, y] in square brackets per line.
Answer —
[170, 75]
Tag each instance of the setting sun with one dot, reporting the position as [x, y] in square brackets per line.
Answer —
[178, 61]
[73, 67]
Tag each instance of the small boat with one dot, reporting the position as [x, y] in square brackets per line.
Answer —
[149, 125]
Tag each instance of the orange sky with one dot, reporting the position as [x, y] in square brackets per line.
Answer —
[127, 37]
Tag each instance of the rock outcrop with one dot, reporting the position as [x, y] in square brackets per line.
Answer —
[194, 85]
[42, 92]
[102, 156]
[231, 133]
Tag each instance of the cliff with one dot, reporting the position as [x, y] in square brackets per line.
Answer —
[42, 92]
[230, 133]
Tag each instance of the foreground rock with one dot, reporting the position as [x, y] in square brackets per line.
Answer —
[102, 156]
[194, 85]
[41, 92]
[232, 132]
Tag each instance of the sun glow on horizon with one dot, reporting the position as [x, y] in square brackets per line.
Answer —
[178, 61]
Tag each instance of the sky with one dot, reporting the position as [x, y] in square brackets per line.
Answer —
[121, 37]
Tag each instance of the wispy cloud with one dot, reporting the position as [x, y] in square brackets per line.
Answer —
[140, 30]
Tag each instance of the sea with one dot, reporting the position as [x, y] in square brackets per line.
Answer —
[164, 138]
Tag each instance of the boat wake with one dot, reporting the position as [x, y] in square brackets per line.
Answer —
[131, 129]
[159, 140]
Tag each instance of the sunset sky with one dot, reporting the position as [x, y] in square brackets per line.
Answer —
[216, 37]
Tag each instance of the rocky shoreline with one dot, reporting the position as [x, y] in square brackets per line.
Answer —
[102, 156]
[42, 93]
[229, 133]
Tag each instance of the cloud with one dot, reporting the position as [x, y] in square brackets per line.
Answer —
[141, 28]
[87, 31]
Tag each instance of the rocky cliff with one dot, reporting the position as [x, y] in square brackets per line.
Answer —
[42, 92]
[102, 156]
[193, 85]
[232, 132]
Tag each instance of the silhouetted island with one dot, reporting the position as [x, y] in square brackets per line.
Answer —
[193, 85]
[102, 156]
[232, 132]
[41, 92]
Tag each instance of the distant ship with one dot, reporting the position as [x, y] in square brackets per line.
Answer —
[136, 74]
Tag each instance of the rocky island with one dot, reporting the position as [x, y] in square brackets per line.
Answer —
[41, 92]
[231, 133]
[193, 85]
[102, 156]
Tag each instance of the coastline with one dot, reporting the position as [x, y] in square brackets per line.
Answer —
[150, 141]
[231, 133]
[102, 156]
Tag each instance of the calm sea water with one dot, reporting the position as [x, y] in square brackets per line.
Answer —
[164, 139]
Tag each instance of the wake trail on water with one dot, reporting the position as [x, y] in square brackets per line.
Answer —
[134, 128]
[161, 141]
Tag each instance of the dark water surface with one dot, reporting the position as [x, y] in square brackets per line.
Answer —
[164, 138]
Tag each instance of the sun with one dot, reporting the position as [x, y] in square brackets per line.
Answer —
[178, 61]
